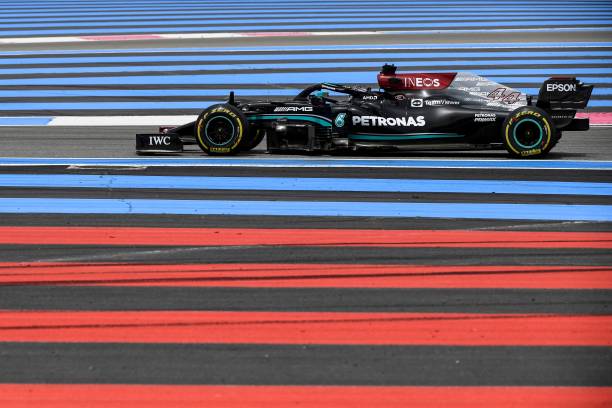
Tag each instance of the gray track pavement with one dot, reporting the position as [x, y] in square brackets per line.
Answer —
[300, 364]
[119, 141]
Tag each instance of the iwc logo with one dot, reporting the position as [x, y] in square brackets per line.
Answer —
[339, 121]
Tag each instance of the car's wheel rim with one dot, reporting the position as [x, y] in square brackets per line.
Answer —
[528, 134]
[219, 130]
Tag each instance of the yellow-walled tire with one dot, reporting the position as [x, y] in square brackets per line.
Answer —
[528, 132]
[220, 130]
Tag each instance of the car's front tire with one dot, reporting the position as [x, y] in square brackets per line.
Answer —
[256, 135]
[220, 129]
[528, 132]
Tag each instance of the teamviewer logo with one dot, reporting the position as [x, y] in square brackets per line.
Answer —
[416, 103]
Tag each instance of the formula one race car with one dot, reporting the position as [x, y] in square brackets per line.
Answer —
[417, 111]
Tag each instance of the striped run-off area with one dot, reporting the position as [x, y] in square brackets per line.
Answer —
[437, 281]
[38, 85]
[95, 19]
[172, 81]
[233, 305]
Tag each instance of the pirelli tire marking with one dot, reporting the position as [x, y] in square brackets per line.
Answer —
[525, 116]
[206, 143]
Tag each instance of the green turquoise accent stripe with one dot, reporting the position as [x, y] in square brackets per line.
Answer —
[404, 137]
[533, 145]
[315, 119]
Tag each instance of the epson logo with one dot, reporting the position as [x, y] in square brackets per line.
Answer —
[556, 87]
[159, 140]
[293, 109]
[378, 121]
[418, 82]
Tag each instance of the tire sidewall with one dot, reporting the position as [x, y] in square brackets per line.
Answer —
[520, 116]
[233, 116]
[256, 135]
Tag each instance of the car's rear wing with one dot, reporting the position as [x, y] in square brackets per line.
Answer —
[561, 97]
[563, 93]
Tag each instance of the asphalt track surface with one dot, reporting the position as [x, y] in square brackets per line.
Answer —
[125, 309]
[95, 301]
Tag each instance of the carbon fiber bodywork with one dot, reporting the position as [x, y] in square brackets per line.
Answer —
[410, 111]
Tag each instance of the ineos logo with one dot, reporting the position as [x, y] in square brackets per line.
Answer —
[423, 82]
[159, 140]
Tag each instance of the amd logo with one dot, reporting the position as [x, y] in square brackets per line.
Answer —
[293, 109]
[159, 140]
[556, 87]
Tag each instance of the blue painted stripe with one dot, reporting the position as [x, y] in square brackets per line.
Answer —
[287, 8]
[158, 3]
[335, 22]
[302, 27]
[306, 184]
[58, 106]
[159, 105]
[174, 16]
[587, 54]
[136, 93]
[361, 77]
[558, 212]
[151, 14]
[260, 3]
[334, 47]
[25, 121]
[255, 65]
[264, 161]
[60, 93]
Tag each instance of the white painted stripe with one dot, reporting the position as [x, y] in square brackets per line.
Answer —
[39, 40]
[267, 161]
[121, 120]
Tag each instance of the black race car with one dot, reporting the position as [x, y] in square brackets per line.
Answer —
[417, 111]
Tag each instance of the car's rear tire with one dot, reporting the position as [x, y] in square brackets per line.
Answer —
[221, 129]
[528, 132]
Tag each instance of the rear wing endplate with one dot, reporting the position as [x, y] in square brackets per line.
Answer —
[563, 93]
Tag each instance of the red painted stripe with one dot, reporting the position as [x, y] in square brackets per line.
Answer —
[307, 328]
[597, 118]
[240, 396]
[309, 275]
[331, 237]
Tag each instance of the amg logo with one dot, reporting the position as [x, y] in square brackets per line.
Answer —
[378, 121]
[560, 87]
[418, 82]
[293, 109]
[159, 140]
